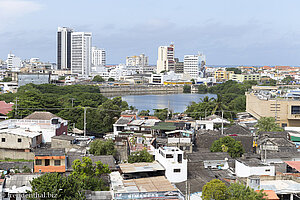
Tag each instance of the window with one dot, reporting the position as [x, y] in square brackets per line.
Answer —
[19, 140]
[3, 140]
[180, 158]
[47, 162]
[284, 125]
[56, 162]
[38, 162]
[267, 170]
[295, 109]
[176, 170]
[169, 156]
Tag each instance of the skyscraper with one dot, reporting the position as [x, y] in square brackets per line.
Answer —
[194, 65]
[98, 57]
[81, 57]
[165, 60]
[64, 47]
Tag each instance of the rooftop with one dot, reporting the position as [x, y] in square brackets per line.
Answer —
[21, 132]
[17, 181]
[41, 116]
[140, 167]
[202, 156]
[64, 137]
[124, 120]
[251, 162]
[5, 107]
[49, 152]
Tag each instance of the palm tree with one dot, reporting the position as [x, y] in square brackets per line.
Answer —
[219, 104]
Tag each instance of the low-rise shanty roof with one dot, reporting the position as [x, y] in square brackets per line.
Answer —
[204, 156]
[168, 126]
[251, 162]
[19, 180]
[41, 116]
[124, 120]
[281, 186]
[64, 137]
[280, 142]
[5, 108]
[141, 167]
[49, 152]
[20, 132]
[283, 155]
[237, 129]
[107, 160]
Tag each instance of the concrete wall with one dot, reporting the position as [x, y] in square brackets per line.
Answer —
[243, 170]
[11, 141]
[14, 154]
[14, 165]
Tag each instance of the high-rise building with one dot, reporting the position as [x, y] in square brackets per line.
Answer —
[81, 57]
[137, 61]
[98, 57]
[165, 60]
[194, 65]
[13, 62]
[178, 66]
[64, 47]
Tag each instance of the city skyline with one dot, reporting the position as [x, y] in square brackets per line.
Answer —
[228, 33]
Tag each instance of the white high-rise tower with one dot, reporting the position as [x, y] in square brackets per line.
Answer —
[64, 47]
[98, 57]
[165, 60]
[194, 65]
[81, 59]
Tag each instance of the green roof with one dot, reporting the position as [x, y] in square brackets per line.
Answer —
[295, 139]
[168, 126]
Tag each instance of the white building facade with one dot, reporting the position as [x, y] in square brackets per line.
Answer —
[171, 158]
[81, 59]
[98, 57]
[139, 61]
[64, 47]
[165, 60]
[13, 62]
[244, 170]
[194, 65]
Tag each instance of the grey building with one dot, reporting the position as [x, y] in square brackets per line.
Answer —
[64, 48]
[35, 78]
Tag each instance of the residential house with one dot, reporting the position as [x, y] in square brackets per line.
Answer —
[50, 160]
[253, 167]
[209, 160]
[5, 108]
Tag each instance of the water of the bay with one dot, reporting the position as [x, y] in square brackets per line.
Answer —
[176, 102]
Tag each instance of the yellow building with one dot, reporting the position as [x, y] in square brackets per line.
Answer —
[221, 75]
[285, 111]
[177, 82]
[244, 77]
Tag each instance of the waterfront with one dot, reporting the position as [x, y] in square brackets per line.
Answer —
[176, 102]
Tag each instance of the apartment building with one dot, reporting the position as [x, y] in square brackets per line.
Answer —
[64, 47]
[222, 75]
[98, 57]
[244, 77]
[165, 60]
[194, 65]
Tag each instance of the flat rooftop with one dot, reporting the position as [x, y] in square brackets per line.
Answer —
[141, 167]
[20, 131]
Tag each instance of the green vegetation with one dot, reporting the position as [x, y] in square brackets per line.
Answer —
[186, 89]
[228, 144]
[46, 97]
[98, 78]
[61, 78]
[216, 189]
[287, 80]
[268, 124]
[140, 156]
[111, 79]
[144, 113]
[6, 79]
[234, 69]
[193, 81]
[101, 147]
[161, 114]
[230, 99]
[57, 185]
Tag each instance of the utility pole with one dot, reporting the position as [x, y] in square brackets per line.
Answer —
[84, 122]
[72, 99]
[222, 130]
[16, 111]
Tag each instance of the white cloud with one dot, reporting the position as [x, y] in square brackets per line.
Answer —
[12, 9]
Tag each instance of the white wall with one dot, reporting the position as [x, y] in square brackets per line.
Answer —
[215, 163]
[242, 170]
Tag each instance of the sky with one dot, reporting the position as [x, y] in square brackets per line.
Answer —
[228, 32]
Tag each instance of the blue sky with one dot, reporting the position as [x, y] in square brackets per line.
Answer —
[233, 32]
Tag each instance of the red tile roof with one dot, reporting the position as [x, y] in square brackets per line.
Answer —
[271, 195]
[5, 107]
[294, 164]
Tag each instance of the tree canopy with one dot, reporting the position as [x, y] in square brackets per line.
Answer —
[234, 69]
[100, 147]
[287, 80]
[228, 144]
[186, 89]
[98, 78]
[140, 156]
[267, 124]
[161, 114]
[68, 102]
[217, 190]
[144, 113]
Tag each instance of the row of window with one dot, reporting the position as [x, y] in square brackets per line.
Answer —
[47, 162]
[4, 140]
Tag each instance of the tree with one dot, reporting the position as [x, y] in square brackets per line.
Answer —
[238, 191]
[90, 175]
[7, 79]
[140, 156]
[111, 79]
[235, 70]
[98, 78]
[186, 89]
[228, 144]
[267, 124]
[62, 78]
[287, 80]
[202, 89]
[162, 114]
[56, 186]
[193, 81]
[217, 190]
[100, 147]
[144, 113]
[214, 189]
